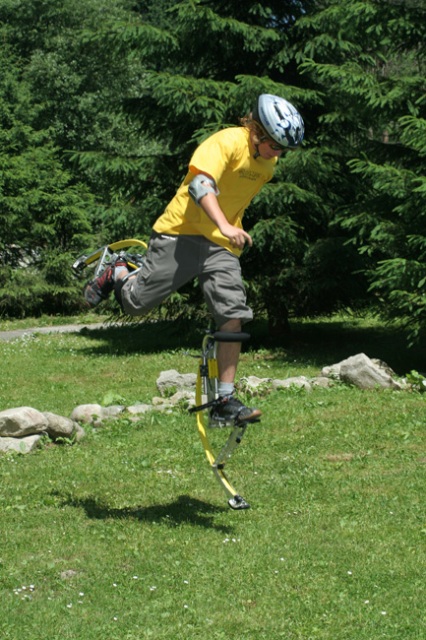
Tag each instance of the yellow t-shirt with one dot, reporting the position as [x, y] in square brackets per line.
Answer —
[227, 156]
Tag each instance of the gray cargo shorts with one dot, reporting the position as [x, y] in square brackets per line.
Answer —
[172, 261]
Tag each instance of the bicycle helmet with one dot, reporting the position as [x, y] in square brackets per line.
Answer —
[280, 120]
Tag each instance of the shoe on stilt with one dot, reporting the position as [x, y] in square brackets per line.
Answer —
[99, 288]
[230, 410]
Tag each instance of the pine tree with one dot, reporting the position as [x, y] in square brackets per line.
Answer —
[368, 61]
[43, 214]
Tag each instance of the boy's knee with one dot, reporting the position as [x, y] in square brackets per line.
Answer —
[130, 303]
[233, 325]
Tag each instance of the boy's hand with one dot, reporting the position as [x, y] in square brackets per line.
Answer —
[237, 237]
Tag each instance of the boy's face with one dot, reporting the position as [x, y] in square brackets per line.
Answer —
[268, 149]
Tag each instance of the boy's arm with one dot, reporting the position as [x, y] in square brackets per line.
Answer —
[236, 236]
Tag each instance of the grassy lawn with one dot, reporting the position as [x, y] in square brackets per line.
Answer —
[126, 535]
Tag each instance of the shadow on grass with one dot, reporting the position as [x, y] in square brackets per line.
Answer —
[322, 343]
[149, 337]
[184, 510]
[315, 343]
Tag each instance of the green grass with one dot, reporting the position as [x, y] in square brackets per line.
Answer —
[90, 317]
[127, 536]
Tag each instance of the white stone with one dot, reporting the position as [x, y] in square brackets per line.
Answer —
[139, 408]
[87, 413]
[360, 371]
[299, 381]
[172, 379]
[22, 421]
[59, 426]
[20, 445]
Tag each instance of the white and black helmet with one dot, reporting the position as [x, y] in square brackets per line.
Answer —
[280, 120]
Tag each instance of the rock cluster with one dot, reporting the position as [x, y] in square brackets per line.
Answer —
[22, 428]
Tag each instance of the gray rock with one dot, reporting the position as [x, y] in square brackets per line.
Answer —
[331, 371]
[59, 426]
[172, 379]
[158, 401]
[185, 396]
[139, 408]
[113, 411]
[20, 445]
[299, 381]
[79, 433]
[252, 383]
[321, 381]
[87, 413]
[363, 372]
[22, 421]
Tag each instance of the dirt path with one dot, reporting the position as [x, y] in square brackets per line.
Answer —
[14, 334]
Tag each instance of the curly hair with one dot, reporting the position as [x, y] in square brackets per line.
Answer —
[248, 122]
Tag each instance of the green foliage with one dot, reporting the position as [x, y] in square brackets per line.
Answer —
[43, 211]
[103, 102]
[374, 110]
[417, 380]
[112, 398]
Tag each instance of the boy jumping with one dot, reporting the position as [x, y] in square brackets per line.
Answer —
[200, 234]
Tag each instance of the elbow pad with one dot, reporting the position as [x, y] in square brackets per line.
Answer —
[200, 186]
